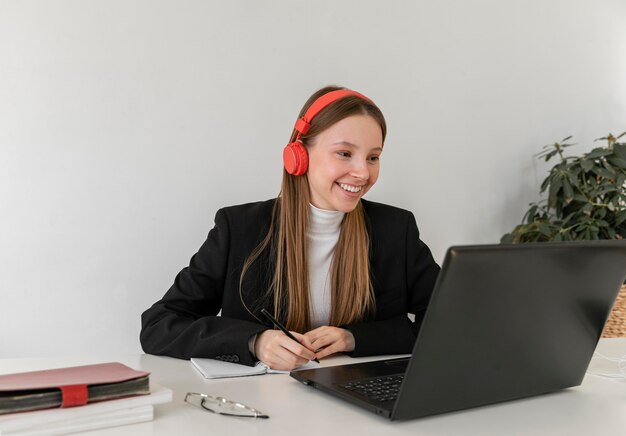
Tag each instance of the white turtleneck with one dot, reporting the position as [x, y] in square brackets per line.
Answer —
[323, 234]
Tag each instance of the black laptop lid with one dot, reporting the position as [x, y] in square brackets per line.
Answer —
[510, 321]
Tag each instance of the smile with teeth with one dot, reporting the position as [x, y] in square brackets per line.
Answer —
[350, 188]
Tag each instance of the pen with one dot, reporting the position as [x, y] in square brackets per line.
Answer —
[282, 328]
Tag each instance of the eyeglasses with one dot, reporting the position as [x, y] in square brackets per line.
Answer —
[222, 406]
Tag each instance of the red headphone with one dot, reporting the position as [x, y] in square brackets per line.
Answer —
[295, 156]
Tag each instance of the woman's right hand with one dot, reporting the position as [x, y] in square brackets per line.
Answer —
[277, 351]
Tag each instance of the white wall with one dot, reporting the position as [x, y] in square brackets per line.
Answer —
[124, 126]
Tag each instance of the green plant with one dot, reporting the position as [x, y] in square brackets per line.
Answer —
[586, 196]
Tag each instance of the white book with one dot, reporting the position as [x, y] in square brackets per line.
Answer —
[92, 416]
[212, 368]
[85, 423]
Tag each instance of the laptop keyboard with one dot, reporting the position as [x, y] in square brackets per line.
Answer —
[379, 388]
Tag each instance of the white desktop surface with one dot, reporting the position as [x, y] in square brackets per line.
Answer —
[598, 406]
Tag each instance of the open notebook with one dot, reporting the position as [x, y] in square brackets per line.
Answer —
[212, 368]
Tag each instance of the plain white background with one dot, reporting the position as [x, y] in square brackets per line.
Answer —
[125, 125]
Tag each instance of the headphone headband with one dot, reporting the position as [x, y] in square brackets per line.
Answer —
[303, 124]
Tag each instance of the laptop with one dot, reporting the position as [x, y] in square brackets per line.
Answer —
[504, 322]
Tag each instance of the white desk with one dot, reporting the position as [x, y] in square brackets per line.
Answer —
[598, 406]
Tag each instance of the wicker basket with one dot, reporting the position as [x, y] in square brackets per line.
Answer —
[616, 324]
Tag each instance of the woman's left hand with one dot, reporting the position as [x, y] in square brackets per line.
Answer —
[330, 340]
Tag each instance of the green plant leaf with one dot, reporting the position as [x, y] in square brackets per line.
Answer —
[572, 173]
[555, 187]
[586, 164]
[544, 229]
[620, 217]
[567, 218]
[507, 238]
[617, 161]
[567, 189]
[619, 150]
[604, 189]
[598, 152]
[603, 172]
[606, 164]
[530, 216]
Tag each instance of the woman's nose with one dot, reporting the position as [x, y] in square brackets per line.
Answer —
[360, 169]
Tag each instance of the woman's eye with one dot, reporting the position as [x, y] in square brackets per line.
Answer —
[374, 158]
[343, 153]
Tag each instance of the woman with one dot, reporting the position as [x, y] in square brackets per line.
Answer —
[340, 272]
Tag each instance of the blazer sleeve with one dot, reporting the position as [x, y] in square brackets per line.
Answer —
[391, 331]
[185, 322]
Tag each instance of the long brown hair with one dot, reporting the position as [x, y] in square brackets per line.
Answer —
[352, 295]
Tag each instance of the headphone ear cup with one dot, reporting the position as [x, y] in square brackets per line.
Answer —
[295, 158]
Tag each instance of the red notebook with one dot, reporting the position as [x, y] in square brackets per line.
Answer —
[68, 387]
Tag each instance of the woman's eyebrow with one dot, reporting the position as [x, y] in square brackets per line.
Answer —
[350, 144]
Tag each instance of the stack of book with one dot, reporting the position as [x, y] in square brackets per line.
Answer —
[81, 398]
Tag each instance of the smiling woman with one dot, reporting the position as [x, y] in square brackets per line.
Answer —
[340, 272]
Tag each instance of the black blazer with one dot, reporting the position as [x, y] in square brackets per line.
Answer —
[184, 323]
